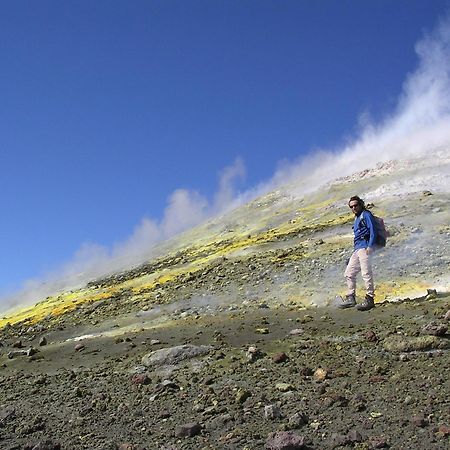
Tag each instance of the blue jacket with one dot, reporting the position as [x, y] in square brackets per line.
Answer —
[364, 231]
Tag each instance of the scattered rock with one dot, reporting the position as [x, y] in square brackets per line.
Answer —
[297, 420]
[378, 443]
[253, 354]
[296, 332]
[79, 347]
[43, 341]
[284, 387]
[444, 430]
[242, 395]
[419, 421]
[140, 378]
[16, 353]
[320, 374]
[371, 336]
[435, 329]
[279, 358]
[188, 430]
[447, 316]
[17, 344]
[285, 440]
[32, 351]
[262, 331]
[272, 412]
[354, 436]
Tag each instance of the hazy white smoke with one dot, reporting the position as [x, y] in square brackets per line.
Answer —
[420, 122]
[185, 209]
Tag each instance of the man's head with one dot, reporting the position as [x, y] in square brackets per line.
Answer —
[356, 204]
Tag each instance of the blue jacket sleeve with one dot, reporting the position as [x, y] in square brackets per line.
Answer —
[368, 219]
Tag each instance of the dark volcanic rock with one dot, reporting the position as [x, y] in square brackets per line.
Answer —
[188, 430]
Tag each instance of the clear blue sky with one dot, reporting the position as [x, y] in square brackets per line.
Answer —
[107, 107]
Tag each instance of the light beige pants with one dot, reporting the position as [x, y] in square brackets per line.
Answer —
[359, 261]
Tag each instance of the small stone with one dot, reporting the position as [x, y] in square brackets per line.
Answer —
[43, 341]
[253, 354]
[285, 440]
[32, 351]
[262, 331]
[354, 436]
[297, 420]
[320, 374]
[447, 316]
[378, 443]
[272, 412]
[17, 344]
[140, 378]
[444, 430]
[155, 342]
[284, 387]
[419, 421]
[79, 347]
[279, 358]
[371, 336]
[188, 430]
[242, 395]
[296, 332]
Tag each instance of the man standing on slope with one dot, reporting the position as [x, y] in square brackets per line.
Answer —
[364, 243]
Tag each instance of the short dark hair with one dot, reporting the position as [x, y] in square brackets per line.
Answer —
[357, 199]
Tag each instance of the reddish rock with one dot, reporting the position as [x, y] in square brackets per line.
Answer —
[444, 429]
[435, 329]
[188, 430]
[280, 358]
[377, 379]
[79, 347]
[285, 440]
[371, 336]
[140, 378]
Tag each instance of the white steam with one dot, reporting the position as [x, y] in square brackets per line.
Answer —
[419, 123]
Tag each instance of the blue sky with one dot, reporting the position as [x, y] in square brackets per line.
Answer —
[109, 107]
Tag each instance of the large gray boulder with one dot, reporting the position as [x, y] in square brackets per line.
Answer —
[174, 355]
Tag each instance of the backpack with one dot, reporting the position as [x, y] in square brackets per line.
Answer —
[381, 234]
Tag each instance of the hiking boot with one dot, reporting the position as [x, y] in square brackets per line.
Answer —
[367, 304]
[349, 302]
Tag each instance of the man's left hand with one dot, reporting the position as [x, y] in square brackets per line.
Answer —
[369, 250]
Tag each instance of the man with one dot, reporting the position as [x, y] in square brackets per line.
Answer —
[364, 244]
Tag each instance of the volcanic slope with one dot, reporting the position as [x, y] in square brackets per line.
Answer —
[250, 298]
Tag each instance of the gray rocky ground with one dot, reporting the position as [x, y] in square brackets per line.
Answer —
[249, 378]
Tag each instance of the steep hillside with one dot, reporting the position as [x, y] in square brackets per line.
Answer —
[230, 338]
